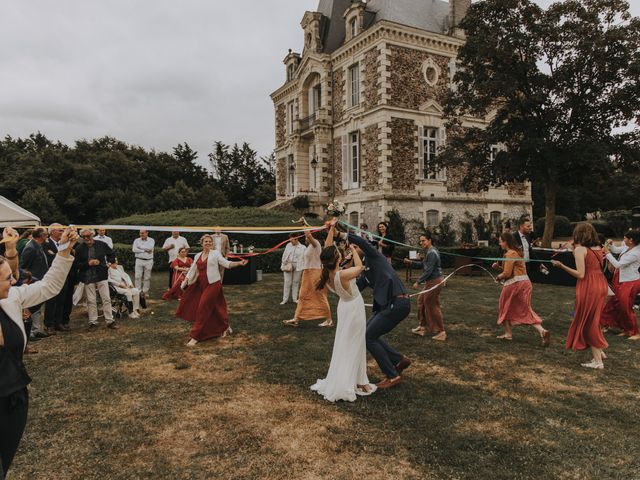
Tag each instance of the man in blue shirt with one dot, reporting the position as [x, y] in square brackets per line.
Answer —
[429, 311]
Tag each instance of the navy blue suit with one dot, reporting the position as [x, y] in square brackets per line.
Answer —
[390, 304]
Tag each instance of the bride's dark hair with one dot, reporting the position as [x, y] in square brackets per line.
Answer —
[329, 258]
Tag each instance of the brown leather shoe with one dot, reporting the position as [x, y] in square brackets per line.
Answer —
[546, 338]
[50, 331]
[403, 364]
[113, 326]
[389, 382]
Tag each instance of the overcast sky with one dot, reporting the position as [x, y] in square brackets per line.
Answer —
[153, 73]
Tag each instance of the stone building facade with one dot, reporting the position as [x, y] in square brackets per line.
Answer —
[360, 116]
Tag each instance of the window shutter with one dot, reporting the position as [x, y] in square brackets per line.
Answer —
[346, 171]
[442, 141]
[421, 174]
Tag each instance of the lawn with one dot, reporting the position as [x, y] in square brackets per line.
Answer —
[136, 403]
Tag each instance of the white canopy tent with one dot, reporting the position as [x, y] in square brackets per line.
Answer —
[12, 215]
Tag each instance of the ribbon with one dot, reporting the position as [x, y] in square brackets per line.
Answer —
[191, 229]
[486, 259]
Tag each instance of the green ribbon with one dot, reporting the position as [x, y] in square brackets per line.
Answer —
[486, 259]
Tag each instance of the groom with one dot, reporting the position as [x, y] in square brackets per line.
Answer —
[391, 305]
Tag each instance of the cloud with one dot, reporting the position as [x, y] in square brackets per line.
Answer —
[154, 73]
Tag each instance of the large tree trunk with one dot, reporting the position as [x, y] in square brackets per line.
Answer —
[550, 194]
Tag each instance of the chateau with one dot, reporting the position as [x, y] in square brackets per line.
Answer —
[360, 117]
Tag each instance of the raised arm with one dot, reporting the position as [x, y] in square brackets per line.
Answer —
[580, 254]
[311, 239]
[349, 274]
[626, 259]
[368, 249]
[10, 238]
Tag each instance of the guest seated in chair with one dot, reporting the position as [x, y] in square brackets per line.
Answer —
[122, 283]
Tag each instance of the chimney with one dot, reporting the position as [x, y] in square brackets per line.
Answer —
[457, 11]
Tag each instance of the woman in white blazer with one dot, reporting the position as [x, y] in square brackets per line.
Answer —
[203, 302]
[14, 397]
[292, 266]
[618, 313]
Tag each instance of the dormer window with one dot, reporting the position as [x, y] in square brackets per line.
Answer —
[353, 26]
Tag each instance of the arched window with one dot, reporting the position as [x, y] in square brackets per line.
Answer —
[433, 218]
[353, 26]
[354, 218]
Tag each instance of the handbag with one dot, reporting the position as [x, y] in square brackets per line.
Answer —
[287, 267]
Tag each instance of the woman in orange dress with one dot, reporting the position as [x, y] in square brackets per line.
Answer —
[179, 268]
[591, 294]
[515, 299]
[312, 303]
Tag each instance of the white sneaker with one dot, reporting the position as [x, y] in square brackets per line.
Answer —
[134, 315]
[594, 364]
[283, 302]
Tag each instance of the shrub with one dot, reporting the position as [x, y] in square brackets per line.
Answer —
[396, 226]
[208, 217]
[301, 202]
[445, 235]
[483, 229]
[562, 227]
[466, 232]
[619, 221]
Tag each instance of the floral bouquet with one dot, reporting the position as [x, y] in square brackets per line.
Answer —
[335, 209]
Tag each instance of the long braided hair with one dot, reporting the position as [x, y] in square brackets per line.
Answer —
[330, 256]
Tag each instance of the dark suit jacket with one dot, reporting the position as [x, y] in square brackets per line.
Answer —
[34, 260]
[379, 275]
[529, 238]
[102, 253]
[50, 250]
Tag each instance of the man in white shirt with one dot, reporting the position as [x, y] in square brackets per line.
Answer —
[143, 250]
[172, 246]
[102, 237]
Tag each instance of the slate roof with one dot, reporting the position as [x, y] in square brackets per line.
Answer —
[429, 15]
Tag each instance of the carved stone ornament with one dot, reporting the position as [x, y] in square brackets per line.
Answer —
[431, 72]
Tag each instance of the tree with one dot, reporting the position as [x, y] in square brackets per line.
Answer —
[555, 85]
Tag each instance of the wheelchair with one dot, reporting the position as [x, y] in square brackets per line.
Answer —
[119, 303]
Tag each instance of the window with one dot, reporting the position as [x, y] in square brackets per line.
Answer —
[317, 98]
[291, 108]
[431, 139]
[493, 153]
[290, 71]
[354, 84]
[354, 31]
[351, 160]
[433, 218]
[291, 175]
[495, 218]
[355, 159]
[354, 218]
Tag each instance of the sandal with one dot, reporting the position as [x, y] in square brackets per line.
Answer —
[326, 323]
[291, 323]
[504, 337]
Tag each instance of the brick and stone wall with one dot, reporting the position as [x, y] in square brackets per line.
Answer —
[409, 89]
[371, 158]
[404, 153]
[281, 176]
[337, 152]
[338, 94]
[281, 124]
[371, 79]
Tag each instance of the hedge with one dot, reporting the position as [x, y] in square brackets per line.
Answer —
[230, 217]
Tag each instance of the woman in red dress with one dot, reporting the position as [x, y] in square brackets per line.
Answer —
[515, 299]
[180, 266]
[203, 302]
[591, 295]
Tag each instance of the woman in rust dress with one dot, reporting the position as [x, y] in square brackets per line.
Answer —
[515, 299]
[312, 303]
[179, 268]
[591, 295]
[203, 302]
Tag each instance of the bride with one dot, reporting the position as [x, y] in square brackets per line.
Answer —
[347, 375]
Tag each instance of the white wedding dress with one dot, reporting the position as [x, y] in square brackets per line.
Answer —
[348, 367]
